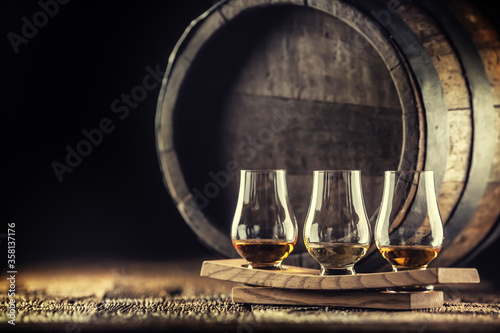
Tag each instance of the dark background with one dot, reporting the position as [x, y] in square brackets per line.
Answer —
[114, 204]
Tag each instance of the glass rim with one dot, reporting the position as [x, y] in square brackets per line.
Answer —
[340, 170]
[409, 171]
[263, 170]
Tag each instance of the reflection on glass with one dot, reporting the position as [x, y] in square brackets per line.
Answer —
[409, 230]
[337, 231]
[264, 229]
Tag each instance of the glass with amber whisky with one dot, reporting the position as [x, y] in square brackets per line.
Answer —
[337, 230]
[264, 229]
[409, 229]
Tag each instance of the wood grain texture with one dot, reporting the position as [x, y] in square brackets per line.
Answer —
[486, 39]
[456, 95]
[304, 89]
[117, 296]
[349, 299]
[473, 233]
[235, 270]
[352, 94]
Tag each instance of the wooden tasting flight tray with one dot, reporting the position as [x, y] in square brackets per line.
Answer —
[304, 286]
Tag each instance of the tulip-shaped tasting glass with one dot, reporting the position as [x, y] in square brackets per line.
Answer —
[264, 229]
[337, 231]
[409, 230]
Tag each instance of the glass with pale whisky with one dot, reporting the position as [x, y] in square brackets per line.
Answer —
[264, 229]
[409, 229]
[337, 230]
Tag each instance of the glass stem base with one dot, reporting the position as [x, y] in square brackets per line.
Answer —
[271, 266]
[337, 271]
[410, 289]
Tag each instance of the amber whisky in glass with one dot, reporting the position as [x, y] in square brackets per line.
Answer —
[409, 229]
[337, 231]
[264, 229]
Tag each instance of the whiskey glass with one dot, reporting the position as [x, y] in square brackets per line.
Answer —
[337, 230]
[264, 229]
[409, 229]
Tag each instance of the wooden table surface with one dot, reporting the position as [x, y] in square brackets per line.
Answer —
[171, 296]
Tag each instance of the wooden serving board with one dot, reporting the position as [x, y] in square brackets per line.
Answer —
[305, 278]
[348, 299]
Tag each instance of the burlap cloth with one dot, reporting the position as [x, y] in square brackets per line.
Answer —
[173, 297]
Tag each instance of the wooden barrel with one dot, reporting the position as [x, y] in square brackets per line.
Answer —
[319, 84]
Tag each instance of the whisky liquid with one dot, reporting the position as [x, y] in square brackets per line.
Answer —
[263, 251]
[404, 257]
[337, 255]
